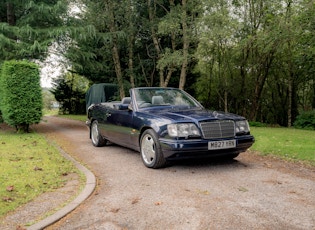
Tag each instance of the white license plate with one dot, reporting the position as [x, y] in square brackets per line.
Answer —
[222, 144]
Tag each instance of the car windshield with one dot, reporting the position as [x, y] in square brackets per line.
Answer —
[148, 97]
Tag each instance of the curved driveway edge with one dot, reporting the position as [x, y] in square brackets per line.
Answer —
[86, 192]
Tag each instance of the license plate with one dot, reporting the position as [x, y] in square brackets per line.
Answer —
[222, 144]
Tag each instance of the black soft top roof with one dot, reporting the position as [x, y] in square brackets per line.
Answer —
[101, 92]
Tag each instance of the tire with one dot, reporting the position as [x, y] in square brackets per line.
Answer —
[96, 137]
[150, 150]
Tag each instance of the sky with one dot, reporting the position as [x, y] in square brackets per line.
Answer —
[51, 67]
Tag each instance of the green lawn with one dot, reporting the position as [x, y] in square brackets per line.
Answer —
[287, 143]
[75, 117]
[29, 166]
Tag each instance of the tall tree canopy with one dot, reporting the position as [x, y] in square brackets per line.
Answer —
[252, 57]
[140, 43]
[27, 28]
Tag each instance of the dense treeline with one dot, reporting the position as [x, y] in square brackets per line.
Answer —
[262, 62]
[252, 57]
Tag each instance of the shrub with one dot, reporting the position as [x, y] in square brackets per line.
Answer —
[306, 120]
[69, 90]
[257, 124]
[21, 100]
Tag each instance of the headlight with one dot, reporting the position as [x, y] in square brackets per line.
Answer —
[242, 126]
[183, 130]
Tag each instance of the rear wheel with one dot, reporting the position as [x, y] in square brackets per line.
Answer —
[96, 137]
[150, 148]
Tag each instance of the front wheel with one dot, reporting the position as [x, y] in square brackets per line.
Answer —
[150, 149]
[96, 137]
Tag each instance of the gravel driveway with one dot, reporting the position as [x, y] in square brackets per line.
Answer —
[251, 192]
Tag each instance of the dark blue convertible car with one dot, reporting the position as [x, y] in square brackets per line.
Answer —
[164, 124]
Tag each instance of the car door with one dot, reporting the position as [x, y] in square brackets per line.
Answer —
[118, 126]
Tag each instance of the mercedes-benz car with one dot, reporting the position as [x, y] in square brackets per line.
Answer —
[166, 124]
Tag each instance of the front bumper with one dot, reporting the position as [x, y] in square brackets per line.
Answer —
[181, 149]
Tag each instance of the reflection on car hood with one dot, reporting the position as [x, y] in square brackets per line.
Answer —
[196, 114]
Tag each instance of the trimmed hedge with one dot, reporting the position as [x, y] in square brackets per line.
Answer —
[21, 100]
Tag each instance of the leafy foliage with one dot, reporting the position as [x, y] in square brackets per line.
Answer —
[21, 99]
[27, 28]
[69, 91]
[257, 124]
[306, 120]
[253, 60]
[136, 43]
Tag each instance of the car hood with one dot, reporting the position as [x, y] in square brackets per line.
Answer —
[195, 114]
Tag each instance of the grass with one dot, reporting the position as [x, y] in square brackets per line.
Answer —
[74, 117]
[29, 166]
[55, 112]
[288, 143]
[50, 112]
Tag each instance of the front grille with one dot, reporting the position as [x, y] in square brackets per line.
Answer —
[218, 129]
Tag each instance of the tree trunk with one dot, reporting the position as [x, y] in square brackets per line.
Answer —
[130, 63]
[183, 72]
[262, 74]
[225, 101]
[10, 14]
[131, 40]
[290, 93]
[259, 85]
[155, 40]
[290, 63]
[115, 52]
[118, 71]
[168, 76]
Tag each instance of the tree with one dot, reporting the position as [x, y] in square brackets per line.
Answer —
[172, 35]
[215, 53]
[69, 91]
[305, 60]
[97, 55]
[27, 28]
[132, 41]
[257, 57]
[21, 99]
